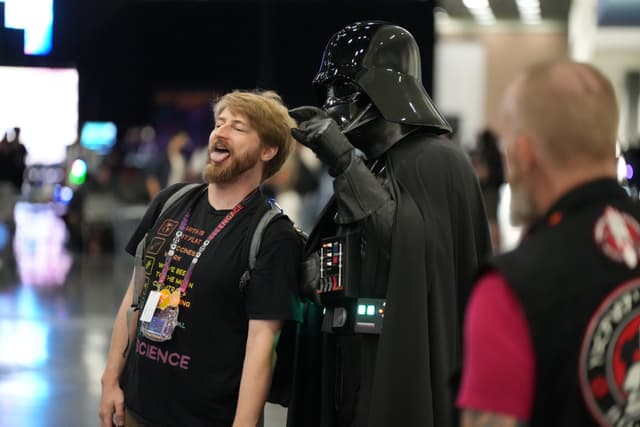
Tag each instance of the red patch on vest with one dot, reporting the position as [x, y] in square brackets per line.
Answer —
[618, 236]
[555, 219]
[609, 370]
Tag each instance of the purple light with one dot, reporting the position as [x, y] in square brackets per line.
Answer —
[629, 173]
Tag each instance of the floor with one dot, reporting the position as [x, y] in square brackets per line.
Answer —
[56, 313]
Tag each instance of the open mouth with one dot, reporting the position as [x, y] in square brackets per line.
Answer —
[219, 153]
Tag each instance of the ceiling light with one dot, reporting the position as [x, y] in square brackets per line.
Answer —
[529, 11]
[481, 11]
[476, 4]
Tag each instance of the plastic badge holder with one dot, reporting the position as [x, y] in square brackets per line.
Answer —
[162, 324]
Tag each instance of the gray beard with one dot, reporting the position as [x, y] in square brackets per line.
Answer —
[522, 210]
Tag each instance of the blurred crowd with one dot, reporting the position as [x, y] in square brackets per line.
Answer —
[133, 172]
[128, 176]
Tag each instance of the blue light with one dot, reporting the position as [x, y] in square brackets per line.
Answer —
[66, 194]
[98, 136]
[35, 17]
[629, 173]
[4, 236]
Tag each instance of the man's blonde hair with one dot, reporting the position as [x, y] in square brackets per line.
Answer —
[268, 116]
[571, 109]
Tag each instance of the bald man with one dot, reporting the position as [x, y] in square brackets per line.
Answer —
[551, 329]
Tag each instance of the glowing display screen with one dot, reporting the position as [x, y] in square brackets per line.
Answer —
[35, 17]
[43, 103]
[98, 136]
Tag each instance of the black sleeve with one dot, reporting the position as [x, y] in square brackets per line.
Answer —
[360, 195]
[275, 278]
[149, 218]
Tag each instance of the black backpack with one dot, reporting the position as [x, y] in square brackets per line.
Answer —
[289, 342]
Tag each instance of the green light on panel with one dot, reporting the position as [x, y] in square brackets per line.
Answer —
[362, 309]
[78, 172]
[371, 310]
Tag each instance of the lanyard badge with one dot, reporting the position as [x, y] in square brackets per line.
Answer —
[160, 315]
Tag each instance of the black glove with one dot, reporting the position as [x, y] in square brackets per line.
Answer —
[321, 133]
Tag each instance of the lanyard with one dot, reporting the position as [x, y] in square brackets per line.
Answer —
[176, 239]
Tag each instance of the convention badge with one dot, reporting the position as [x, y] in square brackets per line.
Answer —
[162, 324]
[609, 360]
[617, 234]
[150, 306]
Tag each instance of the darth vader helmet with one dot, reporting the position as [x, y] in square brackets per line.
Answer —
[373, 68]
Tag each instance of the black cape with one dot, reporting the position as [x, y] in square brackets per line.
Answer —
[439, 237]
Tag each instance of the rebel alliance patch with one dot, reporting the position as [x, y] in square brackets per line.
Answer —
[609, 366]
[618, 235]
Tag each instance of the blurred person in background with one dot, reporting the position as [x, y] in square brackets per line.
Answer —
[214, 369]
[487, 162]
[407, 222]
[170, 167]
[548, 323]
[13, 155]
[280, 187]
[98, 196]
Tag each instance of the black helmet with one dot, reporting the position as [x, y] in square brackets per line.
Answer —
[383, 61]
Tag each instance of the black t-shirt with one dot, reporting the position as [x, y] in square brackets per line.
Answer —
[194, 378]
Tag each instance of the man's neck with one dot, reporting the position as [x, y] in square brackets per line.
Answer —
[228, 194]
[556, 186]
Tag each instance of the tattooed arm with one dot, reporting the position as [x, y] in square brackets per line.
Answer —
[472, 418]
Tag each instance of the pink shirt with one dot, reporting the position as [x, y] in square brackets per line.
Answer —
[499, 363]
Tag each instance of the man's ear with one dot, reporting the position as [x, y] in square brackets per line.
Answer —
[268, 152]
[526, 152]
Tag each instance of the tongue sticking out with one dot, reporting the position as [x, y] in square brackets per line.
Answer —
[218, 156]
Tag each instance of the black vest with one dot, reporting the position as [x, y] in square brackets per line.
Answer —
[560, 275]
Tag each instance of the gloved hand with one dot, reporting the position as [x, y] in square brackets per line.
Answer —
[321, 134]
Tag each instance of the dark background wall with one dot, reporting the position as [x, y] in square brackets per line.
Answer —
[126, 51]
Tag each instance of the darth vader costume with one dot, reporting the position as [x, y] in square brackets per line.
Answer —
[398, 242]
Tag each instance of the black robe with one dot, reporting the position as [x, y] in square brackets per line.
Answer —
[439, 235]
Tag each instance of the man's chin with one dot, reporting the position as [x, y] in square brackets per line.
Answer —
[217, 174]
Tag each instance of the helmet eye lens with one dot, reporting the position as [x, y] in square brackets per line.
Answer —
[344, 90]
[342, 93]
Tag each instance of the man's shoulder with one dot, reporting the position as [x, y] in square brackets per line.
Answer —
[282, 228]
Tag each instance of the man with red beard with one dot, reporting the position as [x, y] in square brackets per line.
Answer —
[539, 321]
[203, 350]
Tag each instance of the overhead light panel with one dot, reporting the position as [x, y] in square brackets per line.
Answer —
[481, 11]
[529, 11]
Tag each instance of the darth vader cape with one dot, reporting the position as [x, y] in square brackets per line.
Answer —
[439, 237]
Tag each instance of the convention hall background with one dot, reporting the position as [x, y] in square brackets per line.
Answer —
[86, 114]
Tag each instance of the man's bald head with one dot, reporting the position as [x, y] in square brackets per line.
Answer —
[569, 108]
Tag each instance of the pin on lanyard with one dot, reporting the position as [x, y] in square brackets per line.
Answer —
[176, 239]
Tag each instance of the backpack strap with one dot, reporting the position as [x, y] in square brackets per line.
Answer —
[138, 266]
[269, 215]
